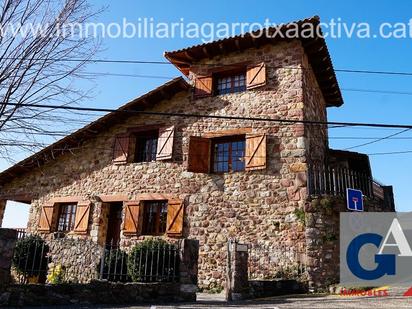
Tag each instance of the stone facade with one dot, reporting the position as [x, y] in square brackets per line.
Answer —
[248, 205]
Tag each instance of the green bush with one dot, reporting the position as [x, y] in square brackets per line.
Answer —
[115, 266]
[153, 260]
[30, 257]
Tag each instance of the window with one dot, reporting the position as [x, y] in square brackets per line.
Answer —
[231, 83]
[146, 146]
[154, 217]
[228, 154]
[67, 214]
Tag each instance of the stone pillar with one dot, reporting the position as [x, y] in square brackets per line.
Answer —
[237, 281]
[2, 209]
[8, 238]
[189, 255]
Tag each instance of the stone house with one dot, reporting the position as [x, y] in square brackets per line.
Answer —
[147, 171]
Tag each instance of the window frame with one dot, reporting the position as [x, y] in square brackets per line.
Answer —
[142, 157]
[222, 140]
[229, 74]
[158, 229]
[70, 215]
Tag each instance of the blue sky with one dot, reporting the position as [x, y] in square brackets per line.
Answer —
[347, 53]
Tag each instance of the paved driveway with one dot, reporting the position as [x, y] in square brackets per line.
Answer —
[295, 301]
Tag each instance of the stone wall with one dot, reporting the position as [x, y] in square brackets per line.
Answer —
[322, 220]
[8, 239]
[249, 205]
[80, 258]
[96, 292]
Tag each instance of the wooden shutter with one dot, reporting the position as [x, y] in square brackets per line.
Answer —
[81, 222]
[46, 217]
[199, 155]
[131, 217]
[255, 156]
[165, 143]
[175, 212]
[203, 86]
[121, 149]
[256, 76]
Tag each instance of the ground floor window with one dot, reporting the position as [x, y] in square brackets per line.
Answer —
[67, 214]
[154, 217]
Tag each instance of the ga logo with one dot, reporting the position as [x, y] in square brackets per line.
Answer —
[386, 263]
[375, 249]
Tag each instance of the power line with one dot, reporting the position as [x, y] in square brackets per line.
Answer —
[171, 77]
[190, 115]
[389, 153]
[374, 72]
[377, 91]
[378, 140]
[154, 62]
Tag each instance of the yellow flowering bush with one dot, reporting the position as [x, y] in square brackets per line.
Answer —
[56, 275]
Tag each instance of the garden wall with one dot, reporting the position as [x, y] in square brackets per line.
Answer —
[95, 292]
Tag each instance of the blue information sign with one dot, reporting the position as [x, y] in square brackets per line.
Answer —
[354, 199]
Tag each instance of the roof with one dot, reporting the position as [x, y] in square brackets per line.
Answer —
[62, 146]
[315, 48]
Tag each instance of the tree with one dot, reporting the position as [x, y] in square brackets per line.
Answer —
[42, 54]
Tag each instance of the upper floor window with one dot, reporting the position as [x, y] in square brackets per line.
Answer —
[154, 217]
[67, 215]
[146, 146]
[231, 83]
[243, 77]
[228, 154]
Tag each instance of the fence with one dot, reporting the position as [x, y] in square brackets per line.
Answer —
[30, 260]
[335, 181]
[276, 262]
[146, 263]
[79, 261]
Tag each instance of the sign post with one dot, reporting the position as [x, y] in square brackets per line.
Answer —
[354, 199]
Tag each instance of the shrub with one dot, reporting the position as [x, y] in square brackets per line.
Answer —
[153, 260]
[56, 275]
[115, 266]
[300, 215]
[30, 257]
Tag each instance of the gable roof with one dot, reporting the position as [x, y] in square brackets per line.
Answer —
[315, 48]
[62, 146]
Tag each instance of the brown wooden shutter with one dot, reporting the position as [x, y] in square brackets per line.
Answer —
[131, 218]
[175, 212]
[255, 156]
[165, 143]
[203, 86]
[82, 217]
[199, 155]
[256, 76]
[46, 217]
[121, 149]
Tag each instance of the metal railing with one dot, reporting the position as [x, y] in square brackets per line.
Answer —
[157, 263]
[21, 232]
[275, 262]
[150, 262]
[335, 180]
[30, 260]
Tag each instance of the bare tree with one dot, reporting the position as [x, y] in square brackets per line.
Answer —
[42, 54]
